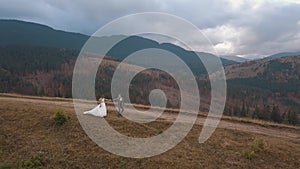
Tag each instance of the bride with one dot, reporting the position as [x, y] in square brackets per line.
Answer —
[99, 110]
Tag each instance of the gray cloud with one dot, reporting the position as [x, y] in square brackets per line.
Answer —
[235, 27]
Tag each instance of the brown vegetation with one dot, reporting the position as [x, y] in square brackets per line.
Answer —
[29, 133]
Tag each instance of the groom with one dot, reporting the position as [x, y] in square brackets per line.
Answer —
[120, 101]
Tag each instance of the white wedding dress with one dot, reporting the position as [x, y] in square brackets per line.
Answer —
[99, 110]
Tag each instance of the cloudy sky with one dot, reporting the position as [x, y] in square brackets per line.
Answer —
[247, 28]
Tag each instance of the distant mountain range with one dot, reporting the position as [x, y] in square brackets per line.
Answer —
[234, 58]
[14, 32]
[284, 54]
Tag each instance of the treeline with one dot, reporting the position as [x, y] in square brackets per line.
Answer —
[267, 112]
[35, 70]
[291, 85]
[20, 60]
[277, 76]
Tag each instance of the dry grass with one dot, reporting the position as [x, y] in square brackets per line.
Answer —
[260, 122]
[27, 130]
[229, 118]
[169, 110]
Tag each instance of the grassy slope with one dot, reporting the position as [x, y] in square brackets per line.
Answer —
[27, 129]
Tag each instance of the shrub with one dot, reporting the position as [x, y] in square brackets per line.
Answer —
[249, 154]
[5, 166]
[259, 145]
[60, 117]
[35, 162]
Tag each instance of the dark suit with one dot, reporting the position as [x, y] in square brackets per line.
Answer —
[120, 101]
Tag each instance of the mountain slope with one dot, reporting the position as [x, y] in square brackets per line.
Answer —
[275, 81]
[49, 71]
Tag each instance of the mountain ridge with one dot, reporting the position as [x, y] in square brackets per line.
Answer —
[15, 32]
[283, 54]
[44, 35]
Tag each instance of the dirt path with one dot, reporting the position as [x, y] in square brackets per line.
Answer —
[292, 133]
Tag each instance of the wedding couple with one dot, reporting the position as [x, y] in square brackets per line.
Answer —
[100, 109]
